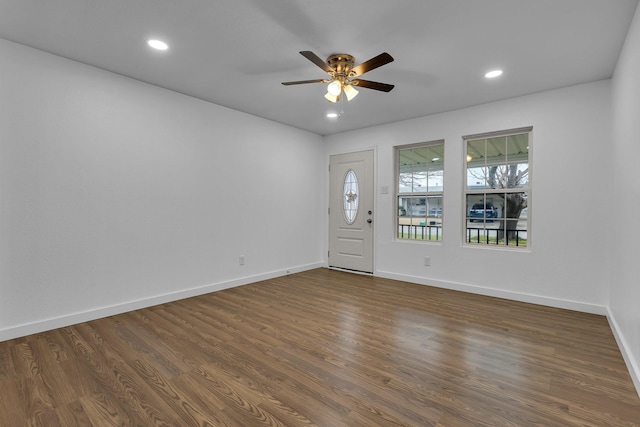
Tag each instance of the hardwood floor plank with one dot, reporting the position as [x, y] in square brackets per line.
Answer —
[174, 397]
[12, 403]
[6, 362]
[245, 406]
[115, 383]
[52, 372]
[102, 410]
[73, 414]
[323, 348]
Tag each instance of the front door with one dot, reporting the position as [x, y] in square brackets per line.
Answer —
[351, 211]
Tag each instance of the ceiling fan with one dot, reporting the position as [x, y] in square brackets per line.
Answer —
[343, 74]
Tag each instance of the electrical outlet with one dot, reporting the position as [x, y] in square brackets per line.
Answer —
[241, 260]
[427, 261]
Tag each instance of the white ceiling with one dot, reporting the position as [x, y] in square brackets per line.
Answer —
[236, 53]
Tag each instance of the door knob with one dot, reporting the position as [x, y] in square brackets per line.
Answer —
[369, 220]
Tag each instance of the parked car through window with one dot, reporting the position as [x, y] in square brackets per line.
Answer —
[482, 211]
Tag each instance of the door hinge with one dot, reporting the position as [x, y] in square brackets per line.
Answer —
[328, 252]
[329, 211]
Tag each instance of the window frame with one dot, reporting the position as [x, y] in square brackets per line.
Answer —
[427, 230]
[512, 243]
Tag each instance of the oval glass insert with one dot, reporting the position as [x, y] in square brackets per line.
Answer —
[351, 196]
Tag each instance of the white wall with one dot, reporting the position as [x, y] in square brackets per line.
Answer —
[567, 263]
[625, 193]
[117, 194]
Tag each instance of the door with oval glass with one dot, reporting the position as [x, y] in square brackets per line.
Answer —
[351, 211]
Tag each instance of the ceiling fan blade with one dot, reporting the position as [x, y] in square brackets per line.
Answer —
[373, 63]
[384, 87]
[317, 60]
[302, 82]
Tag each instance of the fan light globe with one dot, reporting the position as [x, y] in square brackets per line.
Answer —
[331, 98]
[350, 91]
[334, 88]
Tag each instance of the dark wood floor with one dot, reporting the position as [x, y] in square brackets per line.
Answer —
[323, 348]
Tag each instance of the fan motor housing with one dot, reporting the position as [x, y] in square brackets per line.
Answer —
[342, 63]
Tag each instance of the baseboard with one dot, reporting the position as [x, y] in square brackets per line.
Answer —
[86, 316]
[632, 365]
[499, 293]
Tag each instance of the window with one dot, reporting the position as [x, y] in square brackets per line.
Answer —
[420, 173]
[351, 193]
[498, 188]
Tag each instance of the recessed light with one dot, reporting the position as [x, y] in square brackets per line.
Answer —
[493, 74]
[435, 159]
[332, 115]
[158, 44]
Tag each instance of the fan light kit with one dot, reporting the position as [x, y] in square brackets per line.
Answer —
[342, 71]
